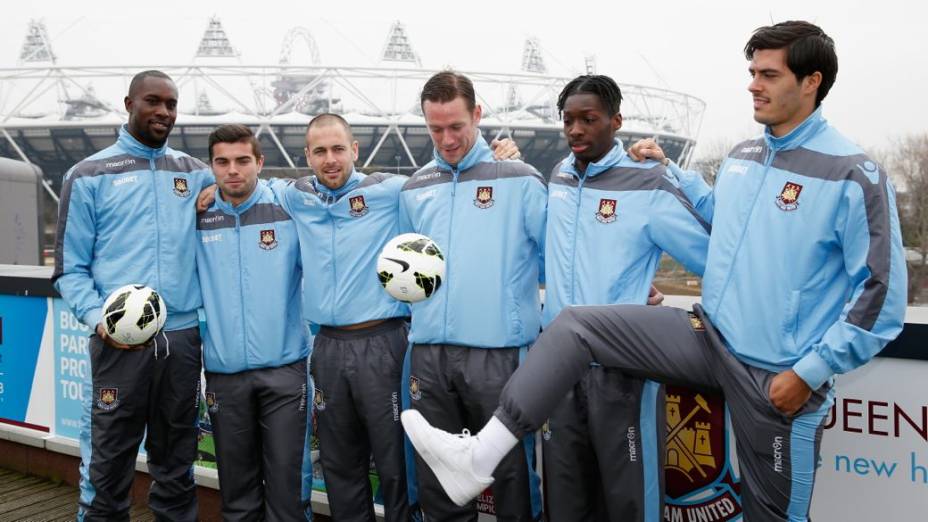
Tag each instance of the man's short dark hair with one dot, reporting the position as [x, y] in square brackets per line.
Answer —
[328, 118]
[808, 49]
[445, 86]
[140, 77]
[603, 87]
[234, 133]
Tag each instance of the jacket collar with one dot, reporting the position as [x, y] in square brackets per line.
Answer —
[479, 153]
[811, 126]
[612, 158]
[332, 195]
[133, 146]
[228, 208]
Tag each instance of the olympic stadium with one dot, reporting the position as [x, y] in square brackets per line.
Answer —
[54, 114]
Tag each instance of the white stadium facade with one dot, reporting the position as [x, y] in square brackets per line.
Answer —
[54, 114]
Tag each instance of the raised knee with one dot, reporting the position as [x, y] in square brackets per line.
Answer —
[568, 320]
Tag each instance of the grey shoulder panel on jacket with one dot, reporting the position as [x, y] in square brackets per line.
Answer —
[377, 178]
[821, 165]
[117, 164]
[261, 213]
[214, 220]
[305, 184]
[180, 163]
[753, 150]
[426, 177]
[621, 178]
[490, 170]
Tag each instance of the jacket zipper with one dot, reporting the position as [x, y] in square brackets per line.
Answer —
[573, 248]
[334, 264]
[241, 291]
[154, 182]
[454, 184]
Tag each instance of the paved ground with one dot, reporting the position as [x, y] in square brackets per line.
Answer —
[26, 498]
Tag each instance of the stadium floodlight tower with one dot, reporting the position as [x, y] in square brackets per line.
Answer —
[398, 48]
[36, 48]
[532, 61]
[215, 42]
[589, 64]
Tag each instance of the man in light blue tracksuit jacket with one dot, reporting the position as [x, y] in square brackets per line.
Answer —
[343, 218]
[609, 220]
[127, 217]
[255, 347]
[805, 279]
[488, 218]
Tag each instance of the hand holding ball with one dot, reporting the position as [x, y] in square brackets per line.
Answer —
[133, 314]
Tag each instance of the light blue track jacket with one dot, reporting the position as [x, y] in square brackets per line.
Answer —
[606, 231]
[488, 218]
[806, 268]
[248, 261]
[127, 216]
[341, 235]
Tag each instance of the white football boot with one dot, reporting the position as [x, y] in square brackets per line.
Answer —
[449, 455]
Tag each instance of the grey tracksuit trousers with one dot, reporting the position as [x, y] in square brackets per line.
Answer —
[595, 445]
[457, 387]
[259, 426]
[133, 390]
[777, 453]
[357, 376]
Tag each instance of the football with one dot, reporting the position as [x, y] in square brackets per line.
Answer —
[411, 267]
[133, 314]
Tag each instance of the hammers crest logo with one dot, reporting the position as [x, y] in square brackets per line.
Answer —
[318, 399]
[358, 206]
[415, 393]
[180, 187]
[484, 197]
[109, 398]
[212, 403]
[268, 239]
[789, 196]
[606, 211]
[697, 469]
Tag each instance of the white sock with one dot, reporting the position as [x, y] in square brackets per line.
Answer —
[493, 443]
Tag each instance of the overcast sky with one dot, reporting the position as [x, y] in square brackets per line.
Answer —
[689, 46]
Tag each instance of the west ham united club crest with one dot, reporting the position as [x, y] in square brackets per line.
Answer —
[180, 187]
[789, 196]
[415, 393]
[606, 212]
[484, 197]
[696, 322]
[212, 404]
[268, 240]
[318, 399]
[358, 206]
[699, 480]
[109, 398]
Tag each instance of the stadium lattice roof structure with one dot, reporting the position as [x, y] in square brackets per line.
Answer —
[53, 114]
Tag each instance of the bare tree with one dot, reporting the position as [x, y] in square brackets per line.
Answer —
[710, 159]
[909, 166]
